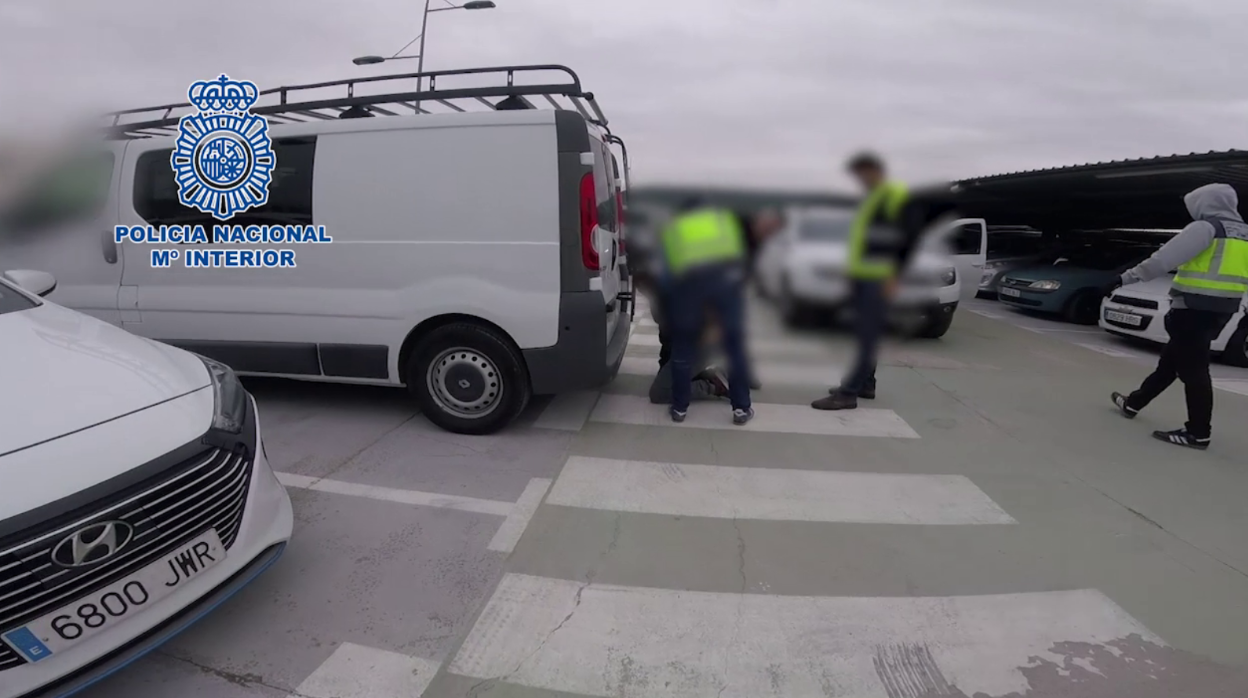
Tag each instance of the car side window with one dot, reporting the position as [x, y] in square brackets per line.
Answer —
[74, 190]
[290, 190]
[967, 239]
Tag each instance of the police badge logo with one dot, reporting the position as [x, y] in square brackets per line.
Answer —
[223, 160]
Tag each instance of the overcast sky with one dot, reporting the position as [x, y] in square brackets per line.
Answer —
[767, 92]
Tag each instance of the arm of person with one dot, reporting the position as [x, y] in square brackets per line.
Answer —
[1182, 248]
[913, 222]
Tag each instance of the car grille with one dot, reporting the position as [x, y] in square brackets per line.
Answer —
[1016, 283]
[207, 491]
[1134, 302]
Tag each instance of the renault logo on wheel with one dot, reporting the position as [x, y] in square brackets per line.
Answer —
[91, 544]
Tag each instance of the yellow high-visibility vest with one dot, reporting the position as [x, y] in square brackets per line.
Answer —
[702, 237]
[885, 202]
[1220, 271]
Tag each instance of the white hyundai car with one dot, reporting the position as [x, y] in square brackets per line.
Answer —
[135, 495]
[1138, 311]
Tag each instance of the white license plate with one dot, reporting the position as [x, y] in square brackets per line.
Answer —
[106, 608]
[1011, 292]
[1124, 318]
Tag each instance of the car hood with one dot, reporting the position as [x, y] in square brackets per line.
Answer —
[64, 371]
[1063, 273]
[1152, 290]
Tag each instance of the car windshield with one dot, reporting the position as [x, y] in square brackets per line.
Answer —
[824, 229]
[11, 301]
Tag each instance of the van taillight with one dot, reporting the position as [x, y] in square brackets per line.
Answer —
[589, 221]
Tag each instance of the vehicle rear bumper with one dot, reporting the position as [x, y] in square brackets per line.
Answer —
[581, 359]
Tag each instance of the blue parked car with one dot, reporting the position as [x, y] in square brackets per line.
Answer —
[1073, 283]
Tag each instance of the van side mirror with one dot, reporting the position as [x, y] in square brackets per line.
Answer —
[40, 283]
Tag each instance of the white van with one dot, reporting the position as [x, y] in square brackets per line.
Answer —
[475, 255]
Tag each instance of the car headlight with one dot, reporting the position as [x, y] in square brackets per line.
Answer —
[948, 276]
[230, 411]
[1047, 285]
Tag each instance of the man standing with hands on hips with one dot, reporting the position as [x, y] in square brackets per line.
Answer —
[1211, 258]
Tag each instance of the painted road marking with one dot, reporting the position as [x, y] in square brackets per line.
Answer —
[509, 533]
[386, 494]
[606, 640]
[988, 314]
[1239, 387]
[1109, 351]
[772, 347]
[772, 494]
[770, 374]
[567, 411]
[355, 671]
[775, 418]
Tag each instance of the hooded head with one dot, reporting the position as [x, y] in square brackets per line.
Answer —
[1213, 201]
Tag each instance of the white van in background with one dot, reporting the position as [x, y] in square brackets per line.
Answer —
[803, 269]
[476, 256]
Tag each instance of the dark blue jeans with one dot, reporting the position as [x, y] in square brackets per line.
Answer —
[870, 308]
[722, 290]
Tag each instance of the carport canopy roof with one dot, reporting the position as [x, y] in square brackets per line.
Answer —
[1130, 194]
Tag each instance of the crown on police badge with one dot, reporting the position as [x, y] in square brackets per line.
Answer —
[223, 94]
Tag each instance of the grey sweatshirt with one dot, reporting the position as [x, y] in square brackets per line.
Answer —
[1210, 201]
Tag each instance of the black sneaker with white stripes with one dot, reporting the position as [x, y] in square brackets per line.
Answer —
[1120, 401]
[1182, 437]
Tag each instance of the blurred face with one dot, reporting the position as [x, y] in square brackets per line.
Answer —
[767, 223]
[868, 177]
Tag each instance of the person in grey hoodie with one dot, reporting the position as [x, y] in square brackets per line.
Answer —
[1211, 256]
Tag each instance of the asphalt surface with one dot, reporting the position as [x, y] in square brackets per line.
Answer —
[989, 525]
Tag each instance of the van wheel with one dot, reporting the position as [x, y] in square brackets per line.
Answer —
[1084, 308]
[1236, 352]
[468, 379]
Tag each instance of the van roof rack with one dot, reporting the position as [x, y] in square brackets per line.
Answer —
[311, 103]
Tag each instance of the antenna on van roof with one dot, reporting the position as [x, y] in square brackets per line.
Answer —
[321, 101]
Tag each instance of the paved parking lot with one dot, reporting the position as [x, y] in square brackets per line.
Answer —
[988, 525]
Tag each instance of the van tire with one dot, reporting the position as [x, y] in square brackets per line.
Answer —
[468, 379]
[1236, 352]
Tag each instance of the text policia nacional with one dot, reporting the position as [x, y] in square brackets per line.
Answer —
[259, 237]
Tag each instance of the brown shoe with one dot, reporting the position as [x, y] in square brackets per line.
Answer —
[836, 401]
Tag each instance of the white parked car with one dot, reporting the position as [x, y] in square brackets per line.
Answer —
[802, 267]
[476, 256]
[1138, 311]
[136, 494]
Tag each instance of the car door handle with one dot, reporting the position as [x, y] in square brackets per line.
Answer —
[109, 247]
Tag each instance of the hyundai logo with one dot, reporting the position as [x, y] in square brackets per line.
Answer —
[91, 544]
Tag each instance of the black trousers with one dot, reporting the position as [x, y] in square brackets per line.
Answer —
[1186, 357]
[870, 307]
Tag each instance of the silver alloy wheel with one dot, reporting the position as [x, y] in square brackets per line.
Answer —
[465, 383]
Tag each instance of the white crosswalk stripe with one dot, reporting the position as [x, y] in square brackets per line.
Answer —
[772, 493]
[773, 418]
[771, 374]
[563, 635]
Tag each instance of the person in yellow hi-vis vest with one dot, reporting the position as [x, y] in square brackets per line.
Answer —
[704, 257]
[1210, 260]
[882, 239]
